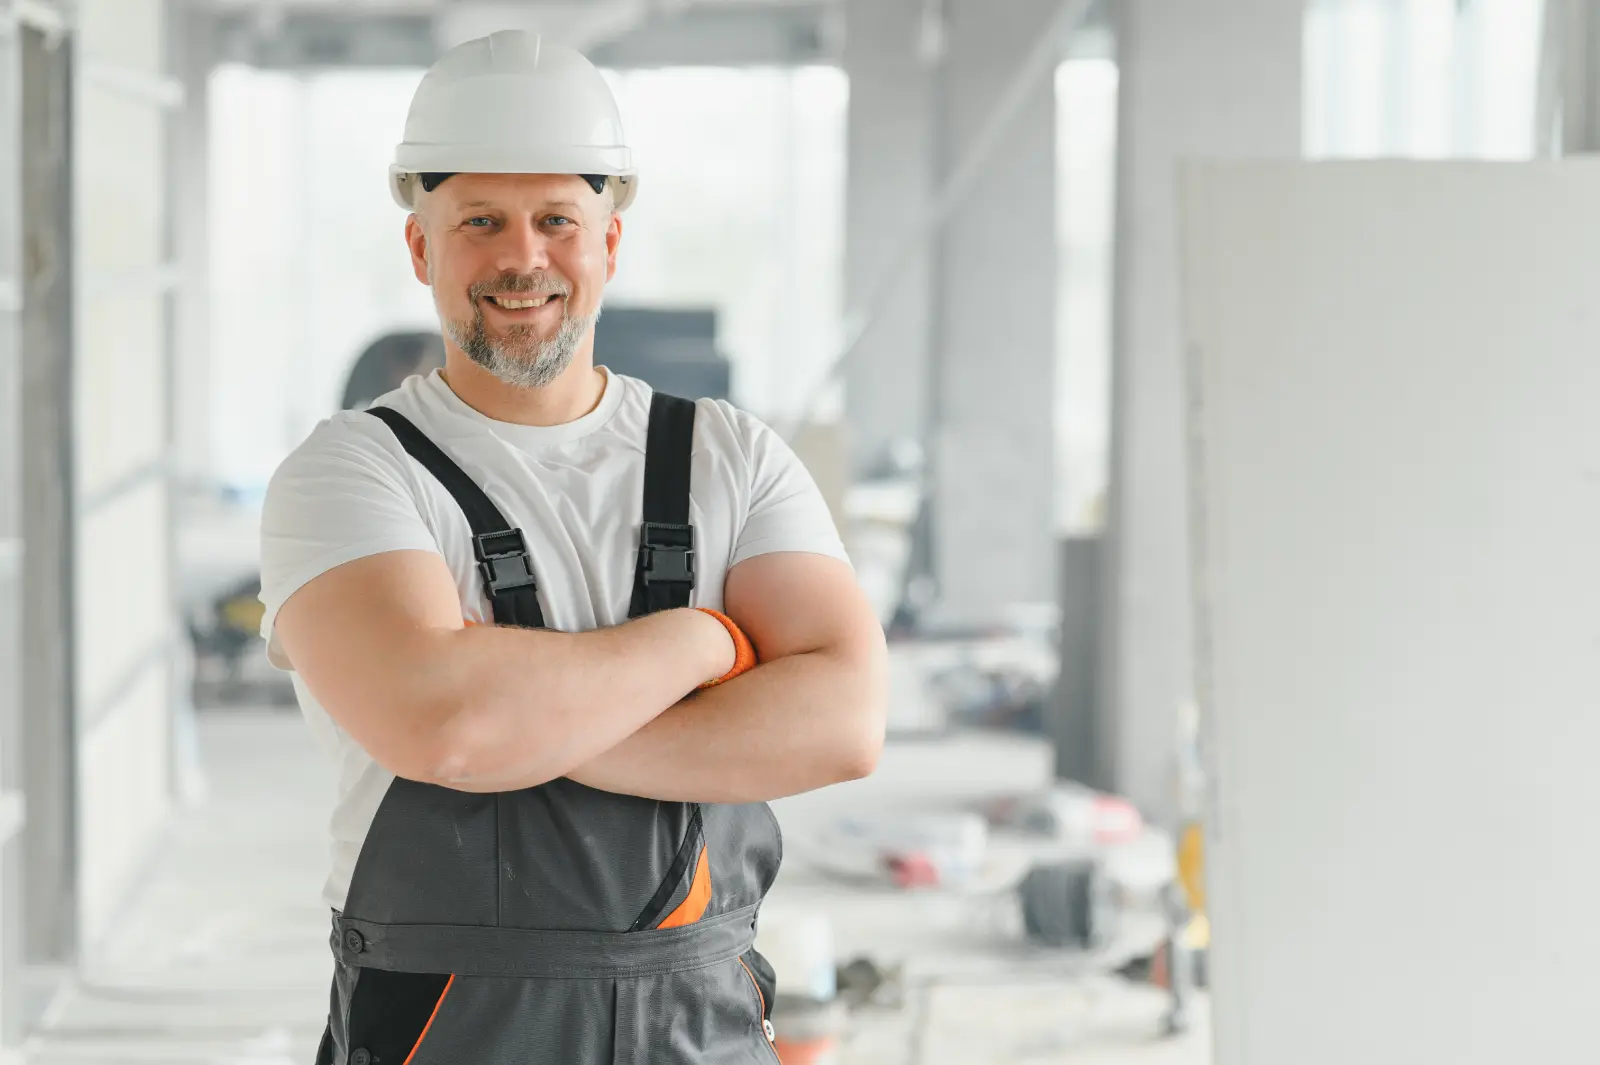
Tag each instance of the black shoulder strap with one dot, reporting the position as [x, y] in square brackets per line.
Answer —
[664, 577]
[502, 551]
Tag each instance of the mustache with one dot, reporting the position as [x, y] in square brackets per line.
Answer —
[538, 283]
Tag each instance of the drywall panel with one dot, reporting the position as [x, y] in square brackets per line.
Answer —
[123, 799]
[124, 619]
[1396, 513]
[121, 387]
[124, 613]
[121, 145]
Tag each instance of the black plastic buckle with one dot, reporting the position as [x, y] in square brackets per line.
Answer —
[504, 561]
[662, 558]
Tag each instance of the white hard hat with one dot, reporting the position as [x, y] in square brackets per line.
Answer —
[513, 103]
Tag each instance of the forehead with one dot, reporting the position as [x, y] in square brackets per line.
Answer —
[514, 190]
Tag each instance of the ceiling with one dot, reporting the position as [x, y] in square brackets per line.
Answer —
[312, 34]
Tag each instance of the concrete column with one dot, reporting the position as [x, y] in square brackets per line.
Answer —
[1569, 78]
[888, 59]
[1212, 78]
[193, 49]
[994, 352]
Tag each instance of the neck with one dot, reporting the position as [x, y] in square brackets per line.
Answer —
[566, 399]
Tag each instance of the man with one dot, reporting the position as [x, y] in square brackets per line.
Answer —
[523, 599]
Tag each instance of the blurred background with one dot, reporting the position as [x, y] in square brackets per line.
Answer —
[934, 242]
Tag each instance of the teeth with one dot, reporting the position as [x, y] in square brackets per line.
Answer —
[521, 305]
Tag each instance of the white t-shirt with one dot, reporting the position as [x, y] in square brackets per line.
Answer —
[575, 490]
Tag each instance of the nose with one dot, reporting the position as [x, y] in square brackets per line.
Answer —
[521, 248]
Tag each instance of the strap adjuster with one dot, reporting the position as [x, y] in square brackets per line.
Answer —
[503, 561]
[666, 553]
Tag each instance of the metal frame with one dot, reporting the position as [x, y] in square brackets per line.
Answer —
[49, 733]
[12, 1021]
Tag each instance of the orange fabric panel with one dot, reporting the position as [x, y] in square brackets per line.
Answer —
[431, 1019]
[693, 907]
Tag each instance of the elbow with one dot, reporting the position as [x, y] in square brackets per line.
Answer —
[437, 749]
[455, 753]
[457, 749]
[859, 757]
[860, 763]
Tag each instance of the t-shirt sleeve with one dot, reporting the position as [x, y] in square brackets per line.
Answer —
[787, 511]
[340, 496]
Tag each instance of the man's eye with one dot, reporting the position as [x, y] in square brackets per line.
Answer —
[555, 218]
[480, 218]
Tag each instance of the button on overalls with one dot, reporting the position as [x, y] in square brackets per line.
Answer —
[557, 925]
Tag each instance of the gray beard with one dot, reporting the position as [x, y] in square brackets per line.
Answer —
[517, 357]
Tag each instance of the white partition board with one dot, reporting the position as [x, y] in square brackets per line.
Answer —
[1395, 433]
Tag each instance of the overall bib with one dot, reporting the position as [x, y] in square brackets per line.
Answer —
[557, 925]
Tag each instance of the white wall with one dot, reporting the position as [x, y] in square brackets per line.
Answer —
[123, 607]
[1396, 512]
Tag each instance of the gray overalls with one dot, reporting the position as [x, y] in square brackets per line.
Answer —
[558, 925]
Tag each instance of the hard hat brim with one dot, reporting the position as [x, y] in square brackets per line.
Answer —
[402, 183]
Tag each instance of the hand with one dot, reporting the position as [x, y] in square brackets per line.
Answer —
[744, 658]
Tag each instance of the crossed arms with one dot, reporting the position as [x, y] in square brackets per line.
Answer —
[381, 644]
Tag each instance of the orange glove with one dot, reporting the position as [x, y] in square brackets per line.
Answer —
[744, 653]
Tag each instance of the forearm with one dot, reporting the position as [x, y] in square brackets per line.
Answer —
[790, 726]
[526, 706]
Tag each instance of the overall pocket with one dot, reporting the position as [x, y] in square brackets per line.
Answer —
[391, 1014]
[496, 1020]
[687, 886]
[709, 1016]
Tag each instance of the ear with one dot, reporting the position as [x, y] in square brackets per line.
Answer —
[417, 241]
[613, 238]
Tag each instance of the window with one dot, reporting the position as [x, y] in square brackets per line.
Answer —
[740, 208]
[1422, 78]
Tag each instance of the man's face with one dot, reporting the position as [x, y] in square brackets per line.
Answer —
[518, 264]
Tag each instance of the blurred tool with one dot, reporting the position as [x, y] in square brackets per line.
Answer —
[909, 851]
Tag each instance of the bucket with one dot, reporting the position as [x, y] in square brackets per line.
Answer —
[807, 1017]
[798, 944]
[808, 1033]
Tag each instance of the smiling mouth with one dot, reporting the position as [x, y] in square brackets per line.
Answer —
[523, 303]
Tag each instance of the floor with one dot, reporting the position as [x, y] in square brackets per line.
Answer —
[222, 956]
